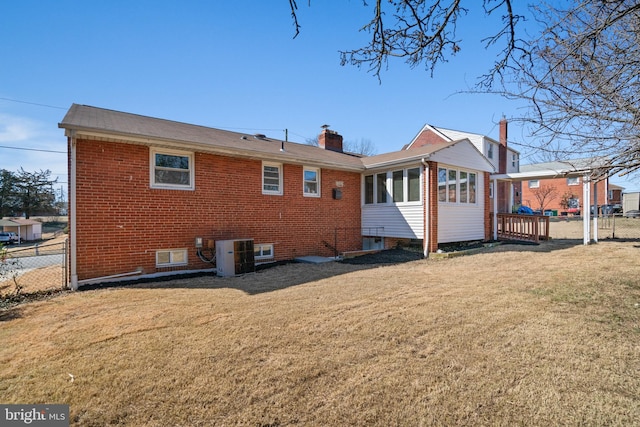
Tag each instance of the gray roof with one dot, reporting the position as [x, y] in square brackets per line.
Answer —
[115, 125]
[414, 154]
[565, 165]
[109, 125]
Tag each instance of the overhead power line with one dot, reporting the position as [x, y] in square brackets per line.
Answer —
[33, 103]
[33, 149]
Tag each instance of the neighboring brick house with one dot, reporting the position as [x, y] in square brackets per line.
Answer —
[565, 194]
[142, 190]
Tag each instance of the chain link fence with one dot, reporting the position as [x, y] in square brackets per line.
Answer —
[35, 269]
[614, 226]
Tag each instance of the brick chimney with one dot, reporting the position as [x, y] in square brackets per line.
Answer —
[330, 140]
[502, 150]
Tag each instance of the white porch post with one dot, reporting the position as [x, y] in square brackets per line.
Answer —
[511, 197]
[595, 214]
[494, 185]
[427, 209]
[586, 210]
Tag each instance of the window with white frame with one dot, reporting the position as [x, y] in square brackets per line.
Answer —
[397, 186]
[263, 251]
[452, 182]
[442, 184]
[456, 186]
[472, 187]
[171, 169]
[490, 150]
[534, 183]
[381, 188]
[171, 257]
[464, 187]
[573, 181]
[311, 177]
[413, 185]
[368, 190]
[272, 178]
[514, 160]
[400, 186]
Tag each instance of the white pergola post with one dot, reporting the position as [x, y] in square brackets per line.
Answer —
[494, 185]
[595, 212]
[586, 209]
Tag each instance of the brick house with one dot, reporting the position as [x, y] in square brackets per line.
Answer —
[150, 196]
[564, 194]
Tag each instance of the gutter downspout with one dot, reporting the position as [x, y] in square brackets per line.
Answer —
[73, 271]
[425, 245]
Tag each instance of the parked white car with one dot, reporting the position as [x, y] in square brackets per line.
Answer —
[8, 237]
[5, 238]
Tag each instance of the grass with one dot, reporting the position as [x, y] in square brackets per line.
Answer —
[515, 335]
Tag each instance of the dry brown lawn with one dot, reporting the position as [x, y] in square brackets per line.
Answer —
[516, 335]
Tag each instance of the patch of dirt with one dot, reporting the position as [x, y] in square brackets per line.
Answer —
[388, 256]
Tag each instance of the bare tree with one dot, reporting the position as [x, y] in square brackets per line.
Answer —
[544, 195]
[364, 147]
[577, 69]
[424, 32]
[581, 81]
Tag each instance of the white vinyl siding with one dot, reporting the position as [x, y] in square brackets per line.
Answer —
[402, 214]
[462, 221]
[403, 221]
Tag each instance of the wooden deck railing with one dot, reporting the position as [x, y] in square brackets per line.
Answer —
[523, 227]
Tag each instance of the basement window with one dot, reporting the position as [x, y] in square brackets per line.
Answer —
[171, 169]
[171, 257]
[263, 251]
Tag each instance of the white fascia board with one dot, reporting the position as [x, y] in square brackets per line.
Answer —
[396, 163]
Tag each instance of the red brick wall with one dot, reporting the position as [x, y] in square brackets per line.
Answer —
[121, 221]
[488, 232]
[433, 207]
[426, 138]
[561, 186]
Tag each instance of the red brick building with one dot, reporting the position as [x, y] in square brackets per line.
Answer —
[565, 194]
[151, 196]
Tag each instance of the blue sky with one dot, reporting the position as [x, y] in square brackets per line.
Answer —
[227, 64]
